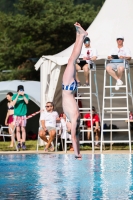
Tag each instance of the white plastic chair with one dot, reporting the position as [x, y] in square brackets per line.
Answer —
[58, 134]
[8, 135]
[40, 142]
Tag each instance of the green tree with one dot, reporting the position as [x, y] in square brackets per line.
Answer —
[96, 3]
[7, 6]
[42, 27]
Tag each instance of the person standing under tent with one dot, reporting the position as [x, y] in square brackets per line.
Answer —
[122, 53]
[88, 54]
[69, 86]
[20, 101]
[9, 115]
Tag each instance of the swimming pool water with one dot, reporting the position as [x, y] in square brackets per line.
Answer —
[49, 176]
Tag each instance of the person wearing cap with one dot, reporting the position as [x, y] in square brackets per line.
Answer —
[20, 101]
[88, 54]
[96, 124]
[123, 53]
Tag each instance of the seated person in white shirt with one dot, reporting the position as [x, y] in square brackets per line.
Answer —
[48, 124]
[123, 53]
[88, 54]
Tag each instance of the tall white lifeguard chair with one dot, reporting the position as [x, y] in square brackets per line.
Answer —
[111, 109]
[84, 93]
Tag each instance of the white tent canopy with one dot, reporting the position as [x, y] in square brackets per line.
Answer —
[32, 88]
[114, 18]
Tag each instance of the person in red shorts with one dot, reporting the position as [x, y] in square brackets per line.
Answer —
[20, 101]
[96, 124]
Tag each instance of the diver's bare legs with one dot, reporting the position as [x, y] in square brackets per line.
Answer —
[69, 74]
[70, 106]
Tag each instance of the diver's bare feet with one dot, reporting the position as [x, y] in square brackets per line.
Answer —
[80, 30]
[79, 157]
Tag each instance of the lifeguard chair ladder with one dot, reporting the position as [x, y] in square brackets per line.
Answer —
[114, 110]
[85, 93]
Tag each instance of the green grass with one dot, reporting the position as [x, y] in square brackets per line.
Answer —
[107, 147]
[32, 145]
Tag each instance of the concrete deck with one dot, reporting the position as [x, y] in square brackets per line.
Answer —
[68, 152]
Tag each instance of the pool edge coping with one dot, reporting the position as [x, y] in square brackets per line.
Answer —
[68, 152]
